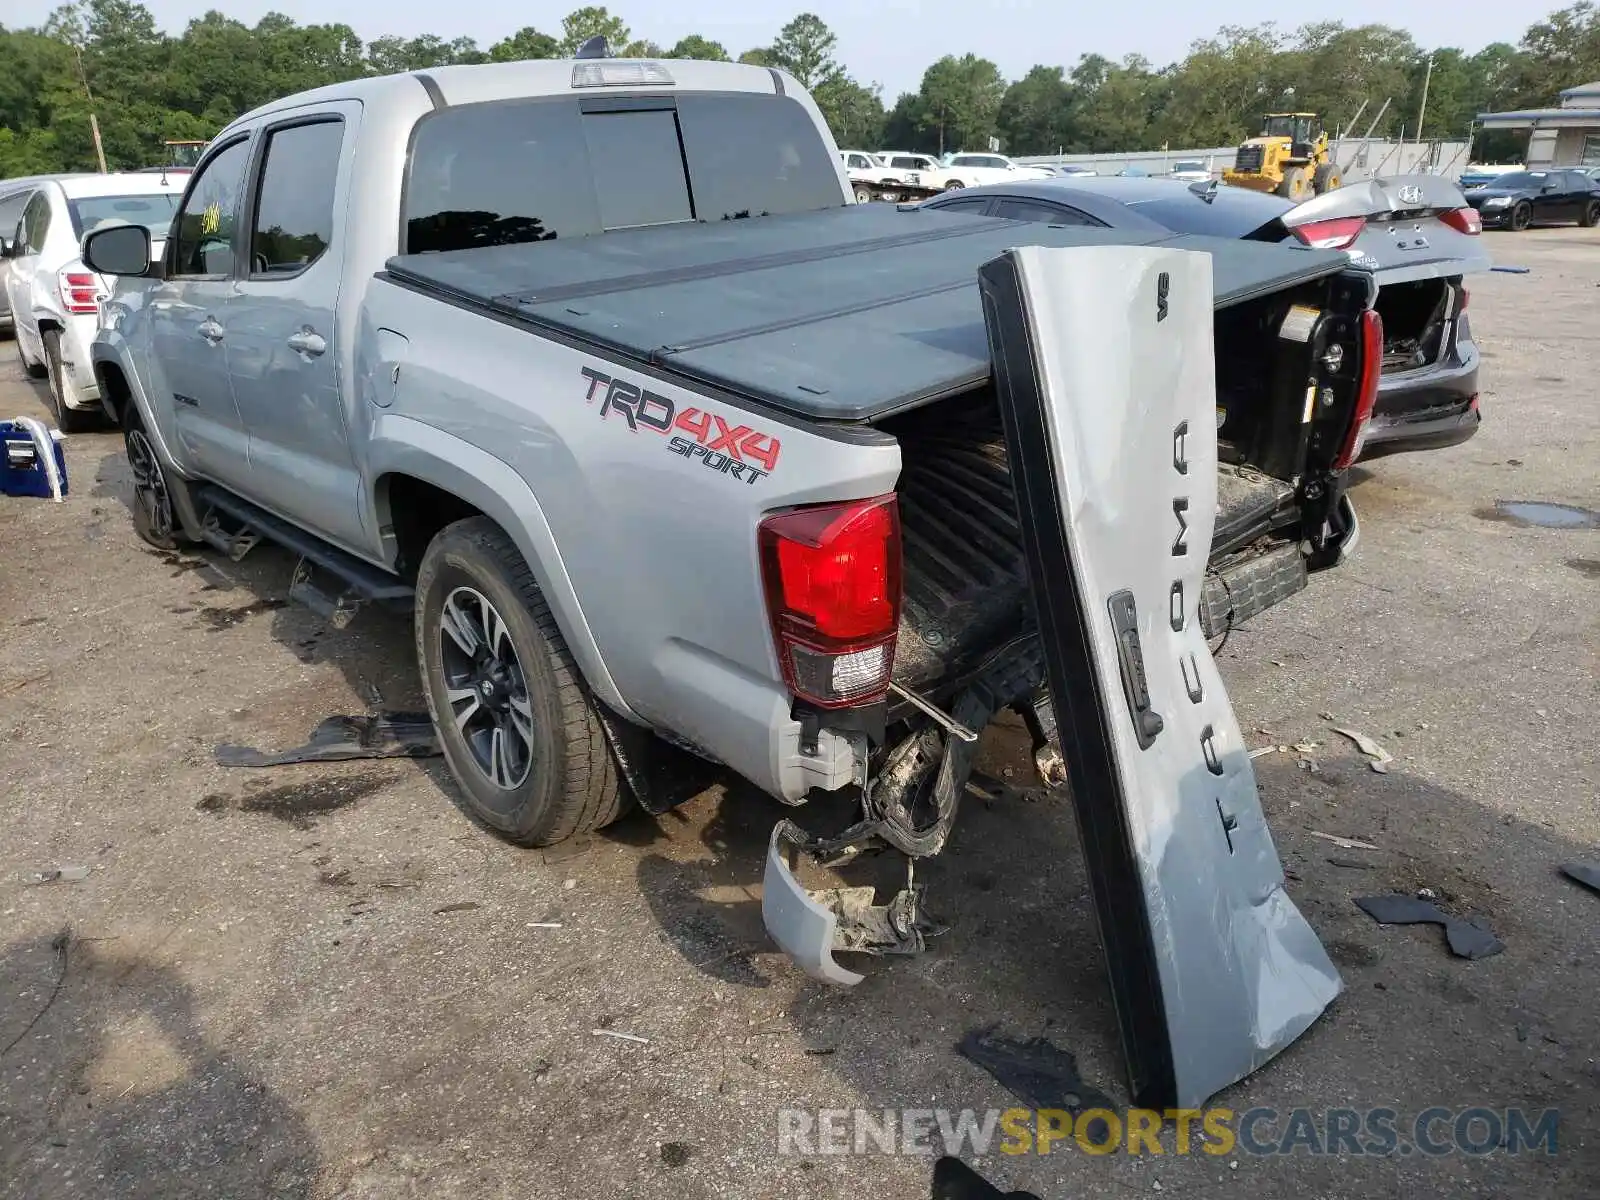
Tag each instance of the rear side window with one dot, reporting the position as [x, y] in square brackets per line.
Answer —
[36, 222]
[153, 211]
[1049, 214]
[294, 202]
[525, 171]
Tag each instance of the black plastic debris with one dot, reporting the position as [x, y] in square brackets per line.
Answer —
[954, 1180]
[1586, 873]
[339, 739]
[1467, 937]
[1037, 1072]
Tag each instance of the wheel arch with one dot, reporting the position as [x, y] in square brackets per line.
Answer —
[424, 479]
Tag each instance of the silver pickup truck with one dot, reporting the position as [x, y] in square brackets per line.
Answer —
[686, 462]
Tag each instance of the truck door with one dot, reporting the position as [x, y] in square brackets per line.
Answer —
[284, 328]
[189, 320]
[1104, 371]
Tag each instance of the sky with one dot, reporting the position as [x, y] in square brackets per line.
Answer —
[890, 42]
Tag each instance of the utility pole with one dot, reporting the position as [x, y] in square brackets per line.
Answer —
[1423, 108]
[94, 123]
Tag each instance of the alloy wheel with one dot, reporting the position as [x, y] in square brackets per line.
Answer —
[485, 687]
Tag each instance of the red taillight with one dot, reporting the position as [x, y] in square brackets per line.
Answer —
[1467, 220]
[1465, 296]
[1335, 234]
[832, 575]
[1367, 396]
[80, 291]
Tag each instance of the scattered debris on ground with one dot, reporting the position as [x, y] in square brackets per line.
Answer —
[1377, 757]
[58, 875]
[1343, 843]
[1467, 937]
[620, 1036]
[340, 739]
[1586, 873]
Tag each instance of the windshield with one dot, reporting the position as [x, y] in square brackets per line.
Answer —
[153, 211]
[1520, 179]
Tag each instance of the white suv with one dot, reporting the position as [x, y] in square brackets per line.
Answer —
[974, 170]
[55, 299]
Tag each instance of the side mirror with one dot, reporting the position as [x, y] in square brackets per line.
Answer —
[1551, 187]
[120, 250]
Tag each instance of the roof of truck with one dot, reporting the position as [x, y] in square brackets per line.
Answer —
[844, 314]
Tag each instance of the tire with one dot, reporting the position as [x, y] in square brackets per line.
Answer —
[549, 775]
[863, 196]
[154, 518]
[955, 185]
[68, 418]
[34, 370]
[1296, 184]
[1326, 179]
[1591, 215]
[1521, 216]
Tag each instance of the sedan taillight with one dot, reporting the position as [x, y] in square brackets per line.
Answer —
[1464, 220]
[80, 290]
[1336, 233]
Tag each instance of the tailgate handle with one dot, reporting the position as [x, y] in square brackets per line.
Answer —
[1130, 659]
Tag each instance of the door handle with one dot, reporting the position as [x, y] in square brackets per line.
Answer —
[211, 330]
[307, 342]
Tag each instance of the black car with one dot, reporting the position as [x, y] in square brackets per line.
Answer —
[1415, 233]
[1522, 198]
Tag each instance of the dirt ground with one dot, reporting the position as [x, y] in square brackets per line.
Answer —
[323, 981]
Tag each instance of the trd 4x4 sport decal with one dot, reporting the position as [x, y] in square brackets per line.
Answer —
[693, 433]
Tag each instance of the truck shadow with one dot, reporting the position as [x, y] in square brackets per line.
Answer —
[112, 1089]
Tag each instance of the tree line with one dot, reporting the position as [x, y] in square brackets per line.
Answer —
[146, 86]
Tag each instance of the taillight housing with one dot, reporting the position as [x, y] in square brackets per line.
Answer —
[80, 289]
[1367, 394]
[1336, 233]
[832, 576]
[1466, 220]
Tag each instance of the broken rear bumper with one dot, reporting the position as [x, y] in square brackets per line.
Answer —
[803, 928]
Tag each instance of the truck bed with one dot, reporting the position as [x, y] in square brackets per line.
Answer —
[847, 314]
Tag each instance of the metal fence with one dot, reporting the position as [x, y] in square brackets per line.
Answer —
[1358, 159]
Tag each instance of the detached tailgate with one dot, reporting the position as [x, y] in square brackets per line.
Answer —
[1114, 459]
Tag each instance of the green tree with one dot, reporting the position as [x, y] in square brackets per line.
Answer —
[804, 48]
[959, 102]
[579, 26]
[695, 46]
[854, 112]
[759, 56]
[1036, 113]
[525, 43]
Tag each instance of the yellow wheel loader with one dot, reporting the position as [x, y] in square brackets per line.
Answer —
[1289, 157]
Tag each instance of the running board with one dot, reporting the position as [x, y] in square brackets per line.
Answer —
[359, 581]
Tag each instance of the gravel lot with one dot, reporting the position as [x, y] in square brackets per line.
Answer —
[323, 981]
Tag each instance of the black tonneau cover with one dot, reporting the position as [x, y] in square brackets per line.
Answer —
[845, 314]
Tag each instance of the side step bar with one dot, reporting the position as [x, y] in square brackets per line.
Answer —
[360, 581]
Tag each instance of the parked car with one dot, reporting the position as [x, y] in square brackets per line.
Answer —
[922, 170]
[715, 472]
[14, 194]
[1428, 392]
[1190, 170]
[53, 297]
[975, 170]
[1519, 199]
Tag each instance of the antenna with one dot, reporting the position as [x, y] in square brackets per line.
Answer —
[594, 47]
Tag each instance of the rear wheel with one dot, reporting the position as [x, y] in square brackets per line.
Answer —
[516, 723]
[955, 185]
[1296, 184]
[1521, 216]
[1591, 215]
[1327, 178]
[863, 196]
[63, 392]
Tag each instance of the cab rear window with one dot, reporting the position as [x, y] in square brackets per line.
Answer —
[503, 173]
